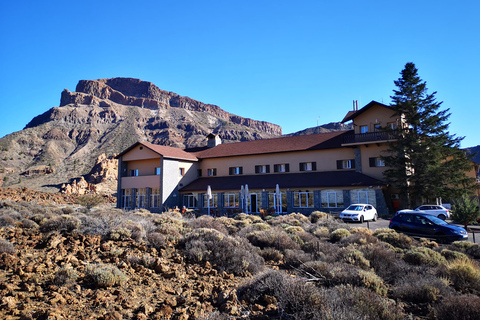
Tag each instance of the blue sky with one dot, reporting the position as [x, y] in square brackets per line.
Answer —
[294, 64]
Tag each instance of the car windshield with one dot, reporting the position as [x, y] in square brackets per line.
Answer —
[355, 208]
[437, 220]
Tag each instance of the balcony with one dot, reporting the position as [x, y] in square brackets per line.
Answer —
[366, 138]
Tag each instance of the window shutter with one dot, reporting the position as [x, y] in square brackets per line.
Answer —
[372, 162]
[275, 168]
[314, 166]
[257, 169]
[268, 168]
[199, 172]
[240, 170]
[215, 171]
[287, 167]
[339, 164]
[231, 170]
[302, 166]
[353, 163]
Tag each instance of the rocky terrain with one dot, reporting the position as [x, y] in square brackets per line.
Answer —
[104, 117]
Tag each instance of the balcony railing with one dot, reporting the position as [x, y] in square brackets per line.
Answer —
[368, 137]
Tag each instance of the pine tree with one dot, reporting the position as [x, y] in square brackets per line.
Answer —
[425, 162]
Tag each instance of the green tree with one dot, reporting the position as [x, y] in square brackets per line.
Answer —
[90, 201]
[425, 162]
[466, 210]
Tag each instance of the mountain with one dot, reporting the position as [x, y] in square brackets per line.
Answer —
[102, 118]
[475, 152]
[329, 127]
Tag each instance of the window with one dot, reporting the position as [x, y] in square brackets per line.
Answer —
[303, 199]
[378, 127]
[190, 200]
[262, 169]
[235, 170]
[308, 166]
[230, 200]
[332, 199]
[141, 194]
[157, 171]
[182, 171]
[155, 198]
[213, 201]
[392, 125]
[376, 162]
[212, 172]
[126, 198]
[284, 167]
[363, 129]
[134, 173]
[346, 164]
[277, 204]
[363, 196]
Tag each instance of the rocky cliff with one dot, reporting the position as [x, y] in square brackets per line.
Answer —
[106, 116]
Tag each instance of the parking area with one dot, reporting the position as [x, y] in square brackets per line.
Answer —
[383, 223]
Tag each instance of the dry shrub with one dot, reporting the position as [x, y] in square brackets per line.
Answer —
[145, 260]
[474, 251]
[295, 258]
[361, 230]
[61, 223]
[226, 253]
[104, 275]
[229, 223]
[464, 275]
[120, 234]
[318, 215]
[68, 210]
[6, 247]
[321, 232]
[358, 238]
[398, 240]
[29, 224]
[423, 255]
[385, 261]
[266, 284]
[428, 243]
[425, 288]
[338, 234]
[452, 254]
[461, 307]
[272, 238]
[66, 275]
[294, 229]
[355, 257]
[271, 254]
[6, 221]
[292, 219]
[208, 222]
[157, 240]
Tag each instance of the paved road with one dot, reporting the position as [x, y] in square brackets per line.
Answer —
[383, 223]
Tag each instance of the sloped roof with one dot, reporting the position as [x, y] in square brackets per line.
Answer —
[304, 180]
[166, 152]
[353, 114]
[275, 145]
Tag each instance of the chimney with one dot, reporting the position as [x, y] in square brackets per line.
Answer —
[213, 140]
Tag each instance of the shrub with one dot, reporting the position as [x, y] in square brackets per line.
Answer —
[6, 221]
[208, 222]
[416, 288]
[157, 240]
[120, 234]
[64, 276]
[295, 258]
[294, 229]
[6, 247]
[464, 275]
[355, 257]
[474, 251]
[359, 238]
[462, 307]
[338, 234]
[104, 275]
[268, 283]
[423, 255]
[317, 215]
[68, 210]
[271, 254]
[385, 261]
[273, 238]
[466, 210]
[90, 201]
[398, 240]
[452, 254]
[29, 224]
[321, 232]
[145, 260]
[60, 223]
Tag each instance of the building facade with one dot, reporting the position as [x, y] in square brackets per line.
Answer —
[305, 173]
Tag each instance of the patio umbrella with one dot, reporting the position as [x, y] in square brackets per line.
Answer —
[278, 199]
[242, 196]
[209, 196]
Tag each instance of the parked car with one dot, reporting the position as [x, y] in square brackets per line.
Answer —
[359, 212]
[431, 209]
[427, 226]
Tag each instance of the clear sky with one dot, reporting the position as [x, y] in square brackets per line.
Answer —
[292, 63]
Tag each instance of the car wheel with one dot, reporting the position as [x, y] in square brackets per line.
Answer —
[397, 229]
[375, 217]
[361, 219]
[442, 216]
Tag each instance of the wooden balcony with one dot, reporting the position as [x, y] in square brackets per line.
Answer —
[367, 138]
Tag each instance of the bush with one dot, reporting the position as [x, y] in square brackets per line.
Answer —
[474, 251]
[385, 261]
[6, 247]
[338, 234]
[423, 255]
[452, 254]
[29, 224]
[355, 257]
[157, 240]
[104, 275]
[462, 307]
[273, 238]
[208, 222]
[120, 234]
[398, 240]
[464, 275]
[65, 276]
[295, 258]
[317, 215]
[60, 223]
[6, 221]
[416, 288]
[90, 201]
[271, 254]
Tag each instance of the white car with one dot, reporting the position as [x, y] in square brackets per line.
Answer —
[359, 212]
[431, 209]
